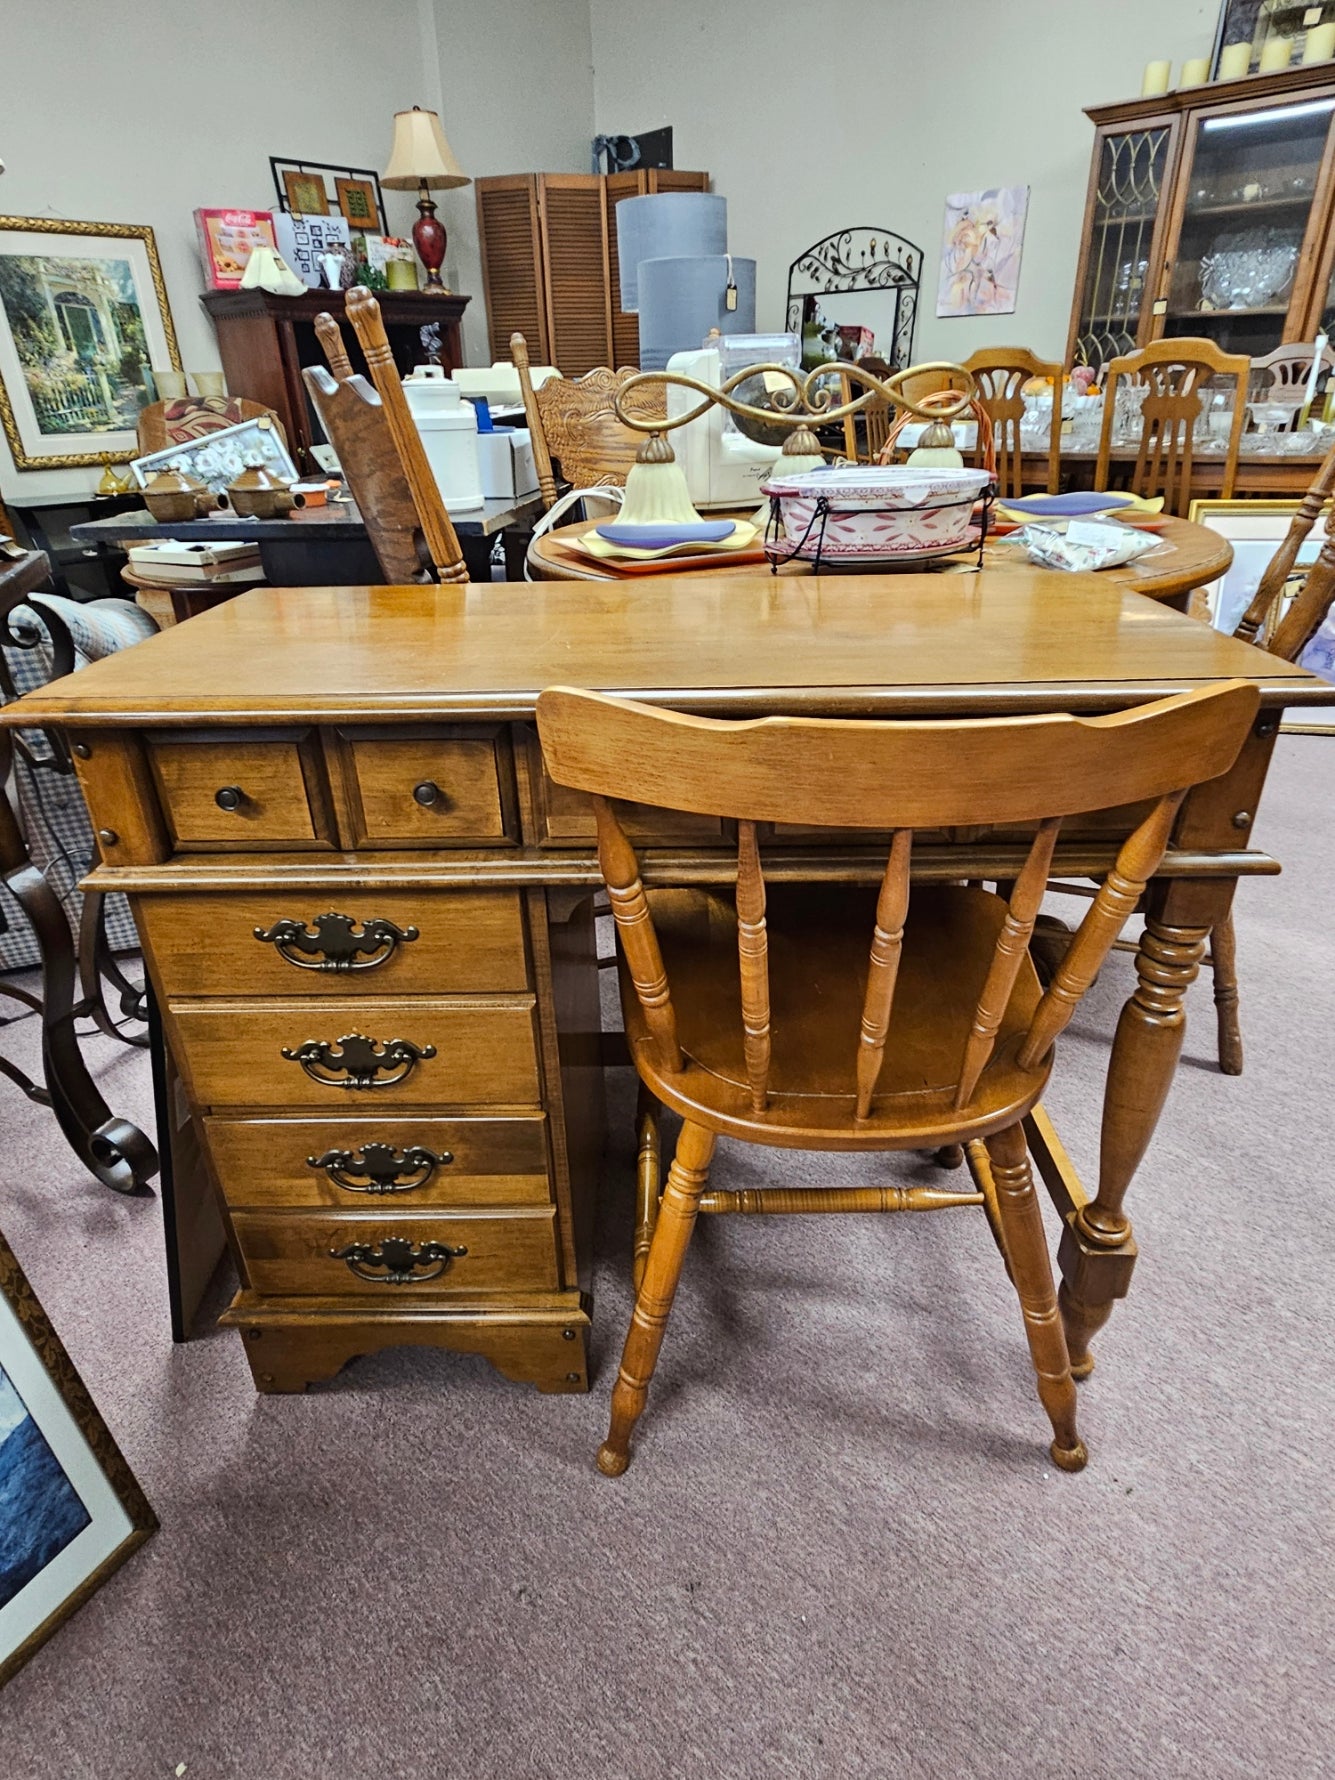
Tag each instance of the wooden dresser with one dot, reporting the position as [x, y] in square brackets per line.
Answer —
[367, 913]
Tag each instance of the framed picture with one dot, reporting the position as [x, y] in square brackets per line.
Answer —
[981, 247]
[219, 458]
[357, 202]
[70, 1509]
[303, 191]
[1256, 529]
[83, 312]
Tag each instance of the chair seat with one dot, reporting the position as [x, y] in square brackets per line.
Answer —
[819, 937]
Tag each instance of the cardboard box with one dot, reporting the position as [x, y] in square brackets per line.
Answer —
[226, 238]
[505, 459]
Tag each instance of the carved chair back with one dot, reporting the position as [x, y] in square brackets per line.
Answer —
[1287, 633]
[573, 424]
[1001, 373]
[901, 777]
[1174, 375]
[1282, 374]
[442, 546]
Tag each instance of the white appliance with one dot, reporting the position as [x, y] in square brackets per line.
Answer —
[499, 383]
[724, 468]
[448, 425]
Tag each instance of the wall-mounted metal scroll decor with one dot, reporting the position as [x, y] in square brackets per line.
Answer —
[333, 942]
[397, 1262]
[862, 260]
[357, 1061]
[380, 1168]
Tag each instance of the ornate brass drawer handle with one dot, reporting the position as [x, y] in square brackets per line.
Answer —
[379, 1168]
[336, 944]
[396, 1262]
[356, 1061]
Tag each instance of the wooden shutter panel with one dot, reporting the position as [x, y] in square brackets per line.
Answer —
[672, 179]
[625, 328]
[511, 245]
[574, 236]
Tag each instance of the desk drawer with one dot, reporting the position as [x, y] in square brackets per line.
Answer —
[241, 791]
[291, 1254]
[479, 1051]
[326, 942]
[380, 1162]
[429, 790]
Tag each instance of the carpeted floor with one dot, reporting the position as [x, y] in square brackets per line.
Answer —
[841, 1551]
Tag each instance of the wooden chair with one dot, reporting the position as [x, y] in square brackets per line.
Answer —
[816, 971]
[1287, 369]
[1000, 373]
[1174, 373]
[403, 536]
[386, 458]
[575, 423]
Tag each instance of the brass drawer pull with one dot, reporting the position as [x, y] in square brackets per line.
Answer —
[396, 1262]
[335, 943]
[230, 797]
[356, 1061]
[428, 793]
[379, 1168]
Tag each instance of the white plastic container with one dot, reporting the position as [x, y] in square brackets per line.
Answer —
[448, 425]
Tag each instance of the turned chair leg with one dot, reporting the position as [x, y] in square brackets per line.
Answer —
[648, 1177]
[1031, 1274]
[653, 1304]
[1224, 959]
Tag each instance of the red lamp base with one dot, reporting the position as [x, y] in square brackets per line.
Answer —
[429, 239]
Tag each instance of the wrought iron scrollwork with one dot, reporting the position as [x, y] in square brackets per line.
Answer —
[336, 943]
[397, 1262]
[356, 1061]
[380, 1168]
[862, 259]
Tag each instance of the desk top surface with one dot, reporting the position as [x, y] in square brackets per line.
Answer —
[870, 645]
[330, 523]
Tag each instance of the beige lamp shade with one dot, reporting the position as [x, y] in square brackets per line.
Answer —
[421, 156]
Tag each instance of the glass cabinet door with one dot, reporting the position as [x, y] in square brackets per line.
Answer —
[1247, 208]
[1119, 250]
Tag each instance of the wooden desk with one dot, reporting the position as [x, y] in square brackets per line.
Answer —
[1192, 556]
[371, 751]
[323, 546]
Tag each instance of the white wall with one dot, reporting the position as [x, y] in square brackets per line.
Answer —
[816, 117]
[143, 113]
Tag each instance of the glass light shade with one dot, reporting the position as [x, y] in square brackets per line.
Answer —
[421, 156]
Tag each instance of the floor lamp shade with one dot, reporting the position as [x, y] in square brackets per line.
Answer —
[422, 160]
[665, 225]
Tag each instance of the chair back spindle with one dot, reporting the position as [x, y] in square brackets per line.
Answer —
[620, 867]
[887, 945]
[1271, 585]
[753, 963]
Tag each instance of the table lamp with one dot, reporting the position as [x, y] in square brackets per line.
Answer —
[421, 158]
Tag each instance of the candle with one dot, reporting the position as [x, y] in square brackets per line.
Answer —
[1319, 44]
[1156, 79]
[1276, 53]
[401, 274]
[1235, 60]
[1196, 72]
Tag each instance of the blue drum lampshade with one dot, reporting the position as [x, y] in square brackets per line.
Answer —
[665, 225]
[682, 298]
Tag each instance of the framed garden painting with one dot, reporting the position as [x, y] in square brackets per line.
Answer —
[83, 316]
[70, 1509]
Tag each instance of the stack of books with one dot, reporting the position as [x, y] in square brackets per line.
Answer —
[174, 564]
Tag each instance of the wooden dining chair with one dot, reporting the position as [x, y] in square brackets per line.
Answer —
[1001, 373]
[380, 451]
[1174, 373]
[836, 1017]
[572, 423]
[1283, 374]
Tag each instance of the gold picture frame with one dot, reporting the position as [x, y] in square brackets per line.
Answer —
[83, 1510]
[86, 316]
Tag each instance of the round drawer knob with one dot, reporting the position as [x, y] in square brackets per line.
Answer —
[427, 793]
[229, 797]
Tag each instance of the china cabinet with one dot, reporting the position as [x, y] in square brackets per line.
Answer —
[1209, 213]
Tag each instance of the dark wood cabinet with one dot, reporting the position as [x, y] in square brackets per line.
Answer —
[549, 263]
[265, 341]
[1209, 213]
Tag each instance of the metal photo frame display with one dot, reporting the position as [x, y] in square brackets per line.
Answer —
[71, 1511]
[350, 186]
[218, 458]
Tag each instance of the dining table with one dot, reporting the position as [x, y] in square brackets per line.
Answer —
[1187, 556]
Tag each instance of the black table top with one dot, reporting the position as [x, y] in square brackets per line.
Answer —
[332, 523]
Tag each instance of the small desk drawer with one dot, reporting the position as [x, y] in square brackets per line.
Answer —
[364, 1164]
[329, 942]
[241, 791]
[392, 1256]
[427, 791]
[479, 1051]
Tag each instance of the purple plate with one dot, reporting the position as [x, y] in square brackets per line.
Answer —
[663, 537]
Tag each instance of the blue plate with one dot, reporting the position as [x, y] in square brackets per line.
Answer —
[663, 537]
[1067, 506]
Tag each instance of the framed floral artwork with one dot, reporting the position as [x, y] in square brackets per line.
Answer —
[83, 317]
[70, 1509]
[980, 251]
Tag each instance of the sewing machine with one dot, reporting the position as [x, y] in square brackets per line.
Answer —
[723, 467]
